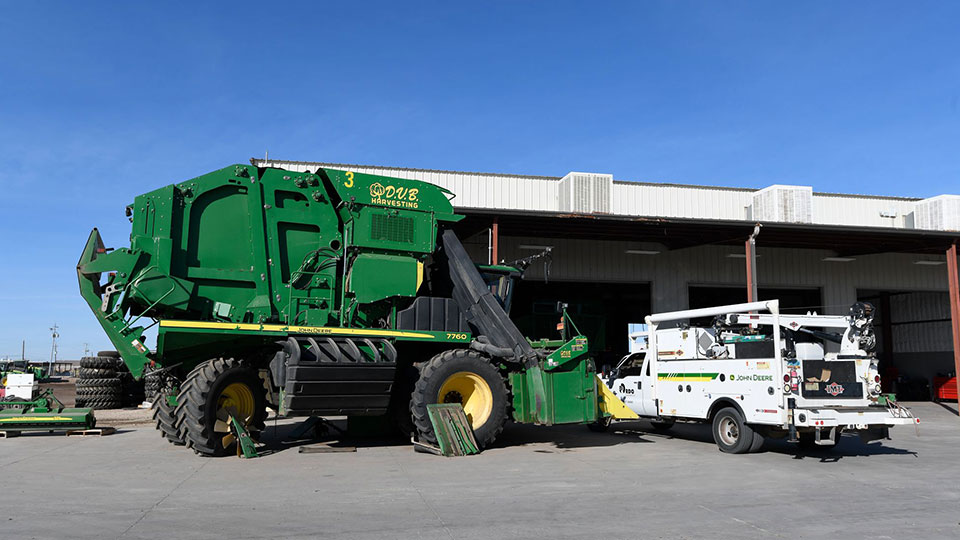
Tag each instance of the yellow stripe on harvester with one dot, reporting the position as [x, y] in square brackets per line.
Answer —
[292, 329]
[37, 419]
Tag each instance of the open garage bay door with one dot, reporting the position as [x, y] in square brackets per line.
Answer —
[914, 343]
[601, 311]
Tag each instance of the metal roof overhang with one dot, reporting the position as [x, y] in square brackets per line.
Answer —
[677, 233]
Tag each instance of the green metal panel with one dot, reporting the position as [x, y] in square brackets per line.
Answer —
[255, 246]
[570, 392]
[396, 193]
[376, 277]
[399, 230]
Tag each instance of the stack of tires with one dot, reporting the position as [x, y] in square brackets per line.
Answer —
[151, 382]
[104, 382]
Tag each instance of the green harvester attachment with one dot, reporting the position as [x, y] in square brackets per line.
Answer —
[46, 413]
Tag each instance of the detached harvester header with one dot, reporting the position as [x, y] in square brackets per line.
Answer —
[322, 294]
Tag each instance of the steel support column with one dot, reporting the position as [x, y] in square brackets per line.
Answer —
[751, 252]
[495, 241]
[954, 284]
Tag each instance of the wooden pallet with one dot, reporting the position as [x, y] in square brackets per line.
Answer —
[100, 432]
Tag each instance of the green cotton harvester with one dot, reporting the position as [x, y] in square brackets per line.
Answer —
[330, 293]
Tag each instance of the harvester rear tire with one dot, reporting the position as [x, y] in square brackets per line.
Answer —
[474, 369]
[102, 362]
[205, 390]
[96, 373]
[165, 416]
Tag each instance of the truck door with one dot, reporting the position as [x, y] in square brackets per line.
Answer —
[647, 381]
[636, 390]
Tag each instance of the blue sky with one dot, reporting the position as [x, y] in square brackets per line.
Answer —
[100, 102]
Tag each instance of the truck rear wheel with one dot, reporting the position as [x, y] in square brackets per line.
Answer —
[212, 392]
[732, 434]
[461, 376]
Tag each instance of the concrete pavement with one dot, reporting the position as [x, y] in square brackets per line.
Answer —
[555, 483]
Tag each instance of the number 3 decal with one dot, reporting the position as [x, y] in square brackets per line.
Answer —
[349, 182]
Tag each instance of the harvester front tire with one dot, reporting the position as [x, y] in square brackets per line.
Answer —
[461, 376]
[214, 385]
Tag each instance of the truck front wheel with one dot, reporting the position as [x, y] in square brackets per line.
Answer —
[732, 434]
[466, 377]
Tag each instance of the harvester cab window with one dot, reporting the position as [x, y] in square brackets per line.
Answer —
[499, 279]
[502, 288]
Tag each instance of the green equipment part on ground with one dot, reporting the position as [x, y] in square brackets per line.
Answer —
[321, 293]
[45, 413]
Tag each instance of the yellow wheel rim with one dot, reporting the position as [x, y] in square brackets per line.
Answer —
[471, 391]
[237, 397]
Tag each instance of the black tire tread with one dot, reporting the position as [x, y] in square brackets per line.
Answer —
[746, 439]
[112, 393]
[419, 399]
[192, 401]
[98, 403]
[101, 362]
[99, 383]
[96, 373]
[166, 420]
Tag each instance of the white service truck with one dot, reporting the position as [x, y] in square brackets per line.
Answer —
[754, 373]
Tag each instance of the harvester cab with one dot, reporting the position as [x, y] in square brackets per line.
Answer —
[332, 293]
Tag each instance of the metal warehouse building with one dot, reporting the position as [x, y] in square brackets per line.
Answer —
[623, 249]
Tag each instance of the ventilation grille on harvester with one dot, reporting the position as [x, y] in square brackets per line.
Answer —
[586, 192]
[788, 204]
[391, 228]
[940, 213]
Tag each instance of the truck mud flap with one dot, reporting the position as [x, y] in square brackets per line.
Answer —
[324, 376]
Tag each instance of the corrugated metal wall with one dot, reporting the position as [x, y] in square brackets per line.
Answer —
[472, 190]
[541, 193]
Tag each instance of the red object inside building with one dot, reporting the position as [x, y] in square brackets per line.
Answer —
[945, 388]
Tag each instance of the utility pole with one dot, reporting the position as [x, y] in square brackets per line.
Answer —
[53, 349]
[86, 349]
[23, 350]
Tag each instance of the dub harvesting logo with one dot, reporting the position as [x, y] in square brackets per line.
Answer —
[390, 195]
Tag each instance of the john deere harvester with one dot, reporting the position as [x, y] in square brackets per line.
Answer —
[321, 294]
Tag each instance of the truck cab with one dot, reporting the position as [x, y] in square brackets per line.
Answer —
[755, 375]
